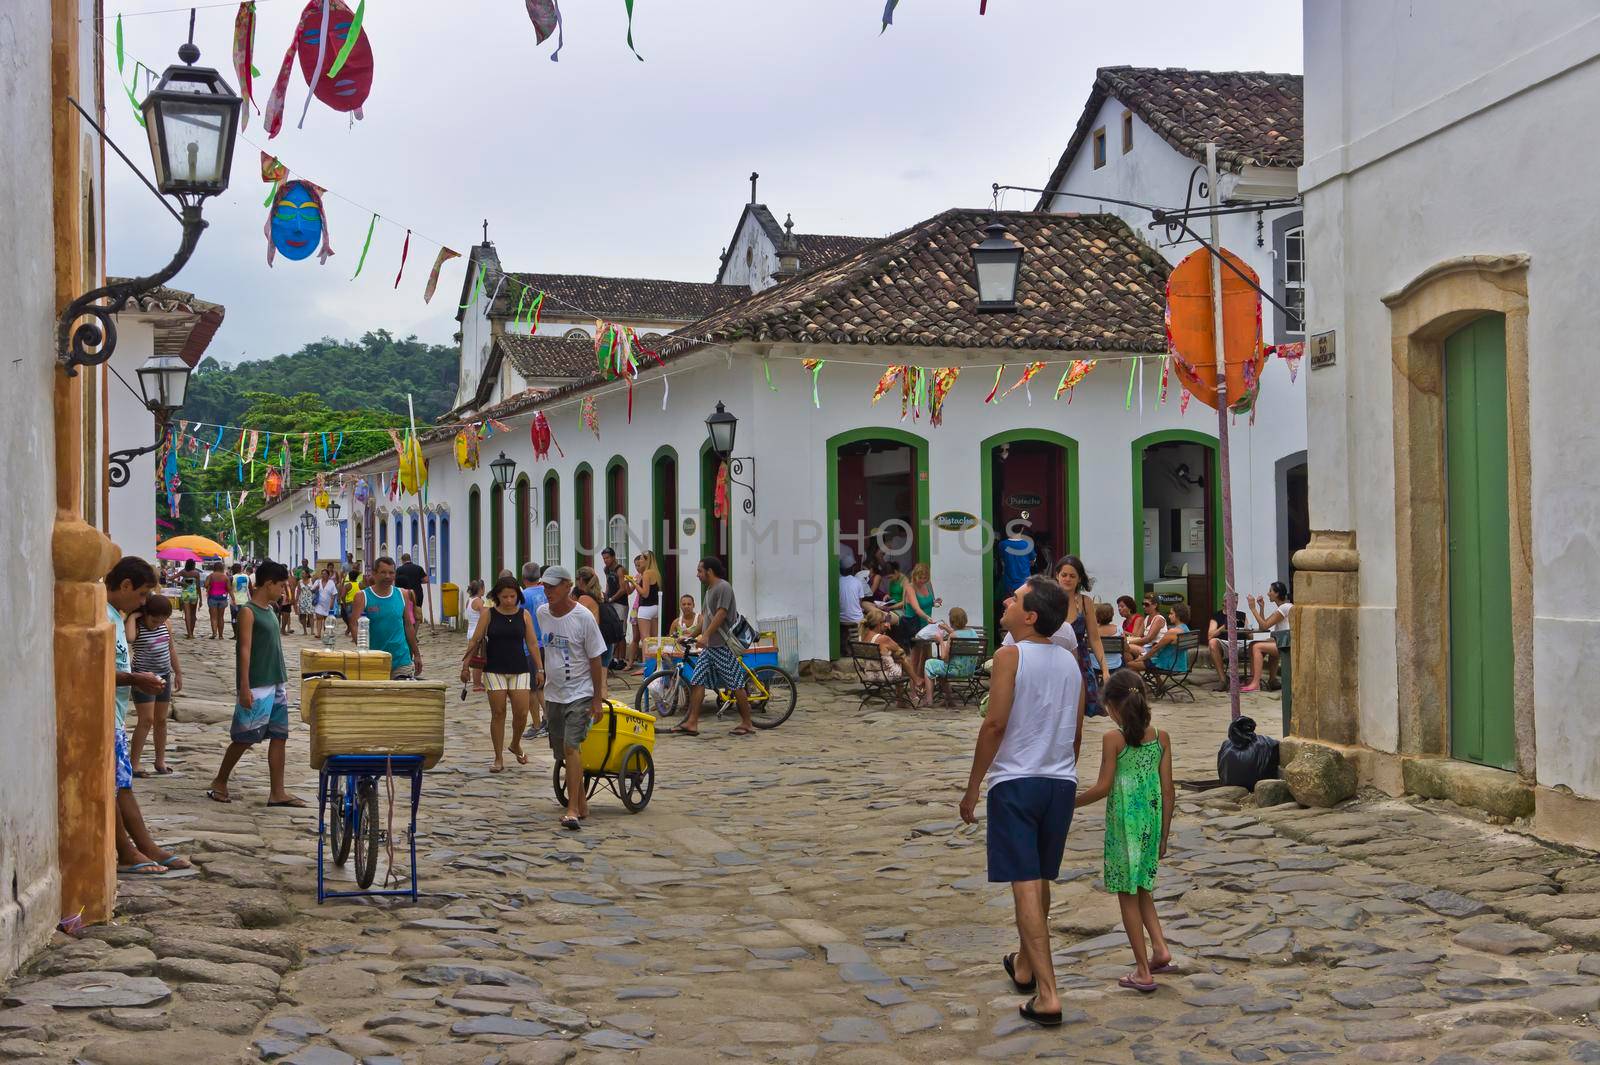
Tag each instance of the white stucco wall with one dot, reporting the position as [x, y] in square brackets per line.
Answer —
[29, 877]
[131, 509]
[1462, 101]
[753, 259]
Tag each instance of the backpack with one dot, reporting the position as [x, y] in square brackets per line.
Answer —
[612, 628]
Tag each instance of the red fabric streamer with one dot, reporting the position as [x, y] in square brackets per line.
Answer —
[405, 249]
[719, 505]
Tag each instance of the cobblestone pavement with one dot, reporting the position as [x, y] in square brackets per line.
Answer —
[807, 895]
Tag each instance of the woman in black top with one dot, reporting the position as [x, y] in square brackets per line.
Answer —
[506, 637]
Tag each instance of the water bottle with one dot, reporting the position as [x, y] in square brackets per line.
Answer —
[327, 634]
[363, 633]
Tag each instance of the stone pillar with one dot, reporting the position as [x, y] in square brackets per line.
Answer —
[84, 641]
[1327, 598]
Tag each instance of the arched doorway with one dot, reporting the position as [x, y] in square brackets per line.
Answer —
[1029, 482]
[877, 492]
[716, 534]
[497, 532]
[1294, 512]
[583, 545]
[523, 503]
[1177, 504]
[664, 524]
[444, 546]
[474, 534]
[616, 510]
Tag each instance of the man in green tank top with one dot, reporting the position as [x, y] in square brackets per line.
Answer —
[261, 708]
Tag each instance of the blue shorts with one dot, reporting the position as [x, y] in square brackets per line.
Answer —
[1027, 831]
[252, 724]
[124, 763]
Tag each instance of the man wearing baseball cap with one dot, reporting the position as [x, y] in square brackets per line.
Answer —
[575, 681]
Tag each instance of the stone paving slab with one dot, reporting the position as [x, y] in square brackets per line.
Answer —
[808, 895]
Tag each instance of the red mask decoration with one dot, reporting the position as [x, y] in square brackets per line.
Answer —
[348, 89]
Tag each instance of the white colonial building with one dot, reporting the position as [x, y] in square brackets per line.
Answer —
[164, 321]
[1131, 484]
[1140, 139]
[1452, 589]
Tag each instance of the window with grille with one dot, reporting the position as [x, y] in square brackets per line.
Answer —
[552, 543]
[1294, 279]
[617, 537]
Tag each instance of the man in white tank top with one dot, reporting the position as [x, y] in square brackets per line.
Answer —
[1028, 750]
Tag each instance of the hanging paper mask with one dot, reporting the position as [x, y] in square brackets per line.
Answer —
[338, 68]
[297, 226]
[363, 492]
[273, 484]
[543, 438]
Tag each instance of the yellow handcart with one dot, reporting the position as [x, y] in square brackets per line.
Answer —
[619, 752]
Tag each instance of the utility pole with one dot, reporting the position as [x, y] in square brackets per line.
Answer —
[1230, 597]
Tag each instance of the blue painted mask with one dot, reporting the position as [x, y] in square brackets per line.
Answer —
[296, 224]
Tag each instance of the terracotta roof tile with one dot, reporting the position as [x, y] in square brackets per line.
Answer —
[1255, 118]
[546, 356]
[1088, 283]
[626, 298]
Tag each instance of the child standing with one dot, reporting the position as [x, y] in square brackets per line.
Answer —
[1136, 772]
[153, 652]
[261, 706]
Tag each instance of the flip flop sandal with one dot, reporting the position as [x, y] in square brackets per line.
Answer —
[681, 731]
[1010, 963]
[166, 771]
[743, 732]
[1132, 984]
[1046, 1020]
[214, 797]
[298, 804]
[1169, 967]
[140, 774]
[141, 869]
[572, 824]
[171, 860]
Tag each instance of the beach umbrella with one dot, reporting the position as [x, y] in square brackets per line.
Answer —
[177, 554]
[200, 545]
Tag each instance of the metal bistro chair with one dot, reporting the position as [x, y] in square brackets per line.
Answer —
[974, 685]
[1169, 682]
[876, 684]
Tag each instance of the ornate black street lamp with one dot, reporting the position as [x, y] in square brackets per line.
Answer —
[503, 469]
[722, 427]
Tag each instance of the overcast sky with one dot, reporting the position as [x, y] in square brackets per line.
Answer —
[602, 164]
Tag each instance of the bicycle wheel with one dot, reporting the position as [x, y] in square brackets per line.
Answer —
[338, 820]
[636, 781]
[773, 709]
[366, 832]
[558, 778]
[661, 696]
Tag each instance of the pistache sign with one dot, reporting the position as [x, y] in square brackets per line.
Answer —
[955, 520]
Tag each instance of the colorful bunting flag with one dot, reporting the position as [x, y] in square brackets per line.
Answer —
[365, 246]
[445, 255]
[244, 36]
[590, 415]
[405, 249]
[813, 367]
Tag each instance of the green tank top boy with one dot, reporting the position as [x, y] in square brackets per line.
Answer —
[266, 648]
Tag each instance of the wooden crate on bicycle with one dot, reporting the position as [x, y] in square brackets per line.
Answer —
[378, 717]
[352, 664]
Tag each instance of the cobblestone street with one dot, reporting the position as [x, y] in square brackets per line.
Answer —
[806, 895]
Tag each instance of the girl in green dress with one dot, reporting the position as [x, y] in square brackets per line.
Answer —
[1136, 772]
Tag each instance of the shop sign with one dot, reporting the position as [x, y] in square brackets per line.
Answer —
[954, 520]
[1021, 500]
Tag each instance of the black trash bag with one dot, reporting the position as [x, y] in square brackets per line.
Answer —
[1245, 757]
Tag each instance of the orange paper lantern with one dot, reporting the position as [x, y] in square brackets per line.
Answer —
[1190, 332]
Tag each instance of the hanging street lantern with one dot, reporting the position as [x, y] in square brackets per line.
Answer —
[997, 263]
[192, 117]
[503, 469]
[721, 426]
[164, 380]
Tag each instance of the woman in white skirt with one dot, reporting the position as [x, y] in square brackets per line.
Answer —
[647, 593]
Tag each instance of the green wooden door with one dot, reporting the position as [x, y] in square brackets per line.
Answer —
[1479, 544]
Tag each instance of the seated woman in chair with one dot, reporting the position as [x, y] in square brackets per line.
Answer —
[1272, 615]
[1163, 654]
[944, 667]
[876, 626]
